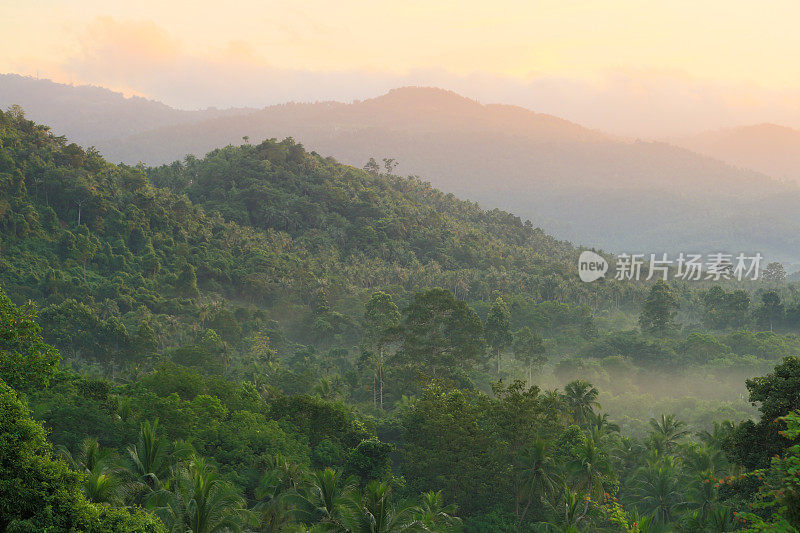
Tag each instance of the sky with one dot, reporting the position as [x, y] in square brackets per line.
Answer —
[635, 68]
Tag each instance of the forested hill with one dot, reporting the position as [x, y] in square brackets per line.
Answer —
[113, 249]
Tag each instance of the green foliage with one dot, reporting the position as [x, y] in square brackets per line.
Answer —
[38, 492]
[497, 329]
[26, 361]
[441, 335]
[370, 460]
[238, 326]
[658, 310]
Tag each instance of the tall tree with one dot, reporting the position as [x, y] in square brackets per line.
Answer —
[771, 312]
[658, 310]
[40, 493]
[381, 318]
[581, 398]
[498, 329]
[529, 348]
[376, 513]
[669, 429]
[441, 336]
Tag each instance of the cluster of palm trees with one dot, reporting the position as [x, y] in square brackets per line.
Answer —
[676, 477]
[590, 478]
[664, 482]
[187, 493]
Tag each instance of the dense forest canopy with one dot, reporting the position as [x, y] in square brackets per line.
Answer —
[267, 340]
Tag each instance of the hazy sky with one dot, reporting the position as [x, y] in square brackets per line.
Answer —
[630, 67]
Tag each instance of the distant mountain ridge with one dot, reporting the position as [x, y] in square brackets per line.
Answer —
[576, 183]
[88, 114]
[767, 148]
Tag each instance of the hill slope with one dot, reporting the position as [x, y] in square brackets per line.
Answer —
[257, 231]
[767, 148]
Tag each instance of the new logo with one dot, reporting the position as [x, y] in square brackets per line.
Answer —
[591, 266]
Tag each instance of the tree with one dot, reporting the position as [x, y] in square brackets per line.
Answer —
[771, 312]
[498, 329]
[150, 460]
[725, 309]
[590, 467]
[372, 167]
[529, 348]
[581, 398]
[538, 474]
[658, 489]
[669, 429]
[434, 515]
[658, 310]
[274, 509]
[376, 513]
[754, 444]
[98, 464]
[186, 282]
[325, 498]
[389, 164]
[774, 272]
[200, 502]
[784, 490]
[441, 335]
[40, 493]
[381, 318]
[26, 361]
[446, 427]
[370, 460]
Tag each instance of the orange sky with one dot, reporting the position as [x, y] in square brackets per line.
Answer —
[743, 52]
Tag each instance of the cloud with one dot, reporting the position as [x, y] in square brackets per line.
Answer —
[142, 58]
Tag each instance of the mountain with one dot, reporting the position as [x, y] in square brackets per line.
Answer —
[767, 148]
[268, 229]
[577, 184]
[88, 114]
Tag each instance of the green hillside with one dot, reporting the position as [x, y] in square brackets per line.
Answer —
[267, 340]
[249, 228]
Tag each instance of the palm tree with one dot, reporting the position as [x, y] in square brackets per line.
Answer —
[670, 429]
[720, 520]
[600, 425]
[649, 524]
[198, 501]
[324, 497]
[591, 467]
[658, 490]
[290, 472]
[705, 460]
[570, 516]
[273, 510]
[375, 513]
[101, 484]
[717, 436]
[581, 399]
[702, 494]
[434, 515]
[537, 475]
[149, 458]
